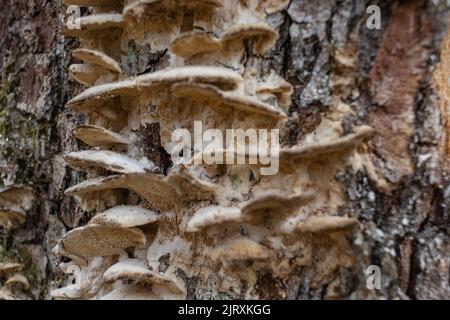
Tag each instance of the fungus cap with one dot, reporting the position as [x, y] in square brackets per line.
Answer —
[130, 292]
[349, 141]
[96, 136]
[153, 188]
[69, 292]
[93, 3]
[17, 196]
[86, 74]
[100, 240]
[135, 269]
[277, 203]
[9, 268]
[17, 282]
[242, 249]
[265, 35]
[125, 217]
[155, 5]
[11, 219]
[98, 58]
[234, 100]
[193, 43]
[210, 216]
[99, 21]
[107, 160]
[219, 77]
[97, 96]
[97, 184]
[326, 224]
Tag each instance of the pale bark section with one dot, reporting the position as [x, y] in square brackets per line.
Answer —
[402, 202]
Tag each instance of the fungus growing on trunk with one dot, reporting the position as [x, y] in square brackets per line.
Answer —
[96, 136]
[150, 228]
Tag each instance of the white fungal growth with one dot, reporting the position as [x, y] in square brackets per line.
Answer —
[154, 223]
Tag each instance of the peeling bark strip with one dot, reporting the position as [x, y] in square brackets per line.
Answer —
[394, 81]
[110, 207]
[441, 82]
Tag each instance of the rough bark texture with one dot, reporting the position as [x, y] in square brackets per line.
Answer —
[394, 79]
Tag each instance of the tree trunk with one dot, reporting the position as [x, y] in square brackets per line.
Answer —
[344, 75]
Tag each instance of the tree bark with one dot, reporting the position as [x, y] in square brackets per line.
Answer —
[394, 79]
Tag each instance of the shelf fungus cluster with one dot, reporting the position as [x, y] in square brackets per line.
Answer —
[16, 202]
[159, 229]
[14, 282]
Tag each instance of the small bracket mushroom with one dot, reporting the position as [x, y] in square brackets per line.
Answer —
[99, 240]
[96, 136]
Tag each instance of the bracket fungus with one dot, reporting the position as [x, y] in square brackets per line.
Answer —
[318, 149]
[278, 204]
[17, 196]
[96, 240]
[106, 160]
[202, 217]
[93, 3]
[190, 44]
[242, 249]
[9, 268]
[222, 99]
[11, 219]
[15, 281]
[162, 192]
[213, 216]
[164, 16]
[96, 136]
[97, 58]
[85, 27]
[274, 85]
[265, 37]
[125, 217]
[15, 201]
[98, 67]
[130, 292]
[137, 270]
[89, 74]
[68, 292]
[219, 77]
[326, 224]
[250, 211]
[88, 278]
[92, 99]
